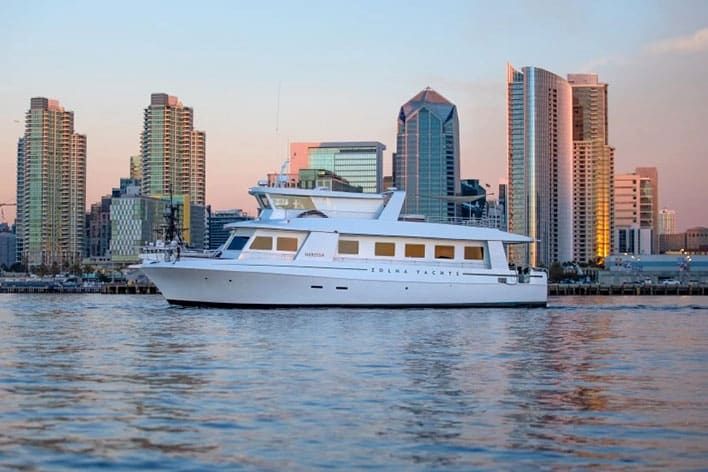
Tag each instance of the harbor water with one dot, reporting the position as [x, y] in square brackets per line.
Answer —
[129, 382]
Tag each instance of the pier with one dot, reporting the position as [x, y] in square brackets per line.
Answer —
[626, 289]
[114, 288]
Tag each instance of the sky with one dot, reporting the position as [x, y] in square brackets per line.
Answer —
[262, 74]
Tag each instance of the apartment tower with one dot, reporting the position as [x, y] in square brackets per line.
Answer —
[51, 193]
[19, 199]
[593, 170]
[540, 165]
[667, 222]
[173, 153]
[427, 160]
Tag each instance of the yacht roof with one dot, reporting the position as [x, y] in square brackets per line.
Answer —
[385, 228]
[316, 193]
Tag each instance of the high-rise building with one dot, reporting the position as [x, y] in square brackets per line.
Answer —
[650, 202]
[136, 167]
[476, 206]
[634, 215]
[667, 222]
[8, 250]
[502, 204]
[52, 198]
[98, 229]
[173, 153]
[593, 170]
[359, 162]
[20, 196]
[427, 160]
[540, 165]
[216, 221]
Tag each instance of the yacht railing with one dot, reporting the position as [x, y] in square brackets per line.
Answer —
[463, 221]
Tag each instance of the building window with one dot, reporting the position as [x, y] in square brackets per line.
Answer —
[263, 243]
[474, 253]
[415, 250]
[286, 244]
[348, 247]
[444, 252]
[385, 249]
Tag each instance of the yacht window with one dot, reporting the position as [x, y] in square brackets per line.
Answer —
[286, 244]
[475, 253]
[444, 252]
[237, 243]
[263, 201]
[385, 249]
[415, 250]
[264, 243]
[348, 247]
[292, 202]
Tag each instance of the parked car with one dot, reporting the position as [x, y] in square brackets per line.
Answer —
[670, 282]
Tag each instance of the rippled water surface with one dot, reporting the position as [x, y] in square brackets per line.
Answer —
[96, 381]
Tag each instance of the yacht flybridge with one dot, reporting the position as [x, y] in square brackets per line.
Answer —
[324, 248]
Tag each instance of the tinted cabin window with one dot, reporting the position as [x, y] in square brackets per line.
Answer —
[415, 250]
[348, 247]
[475, 253]
[385, 249]
[237, 243]
[444, 252]
[264, 243]
[286, 244]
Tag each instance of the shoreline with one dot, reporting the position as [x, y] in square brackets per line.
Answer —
[553, 289]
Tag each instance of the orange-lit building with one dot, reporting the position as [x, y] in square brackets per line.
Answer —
[593, 170]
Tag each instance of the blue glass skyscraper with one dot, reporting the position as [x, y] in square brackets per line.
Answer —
[540, 165]
[427, 160]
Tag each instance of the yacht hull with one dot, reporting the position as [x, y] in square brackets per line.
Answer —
[191, 283]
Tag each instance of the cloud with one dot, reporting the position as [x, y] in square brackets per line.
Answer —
[602, 62]
[696, 42]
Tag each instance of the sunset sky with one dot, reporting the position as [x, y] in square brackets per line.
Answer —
[344, 69]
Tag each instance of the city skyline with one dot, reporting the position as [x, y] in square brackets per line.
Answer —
[247, 81]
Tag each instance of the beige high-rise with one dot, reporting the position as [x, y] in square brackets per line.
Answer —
[636, 202]
[53, 193]
[173, 153]
[593, 170]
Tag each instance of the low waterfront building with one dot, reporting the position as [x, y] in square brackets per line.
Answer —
[654, 269]
[632, 239]
[692, 241]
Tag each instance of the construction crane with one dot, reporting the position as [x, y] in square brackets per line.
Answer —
[2, 212]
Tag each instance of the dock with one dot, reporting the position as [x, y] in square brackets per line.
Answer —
[627, 289]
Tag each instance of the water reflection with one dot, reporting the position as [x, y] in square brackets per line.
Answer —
[132, 383]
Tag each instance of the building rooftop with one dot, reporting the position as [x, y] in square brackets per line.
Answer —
[430, 99]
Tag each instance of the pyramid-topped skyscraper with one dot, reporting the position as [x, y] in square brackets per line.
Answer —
[427, 160]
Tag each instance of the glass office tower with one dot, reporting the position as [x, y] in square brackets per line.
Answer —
[540, 165]
[427, 160]
[359, 162]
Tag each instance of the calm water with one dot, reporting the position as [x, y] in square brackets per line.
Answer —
[129, 382]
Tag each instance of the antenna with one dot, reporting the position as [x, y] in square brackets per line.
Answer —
[277, 112]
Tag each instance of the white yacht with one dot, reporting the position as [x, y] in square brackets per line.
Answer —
[326, 248]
